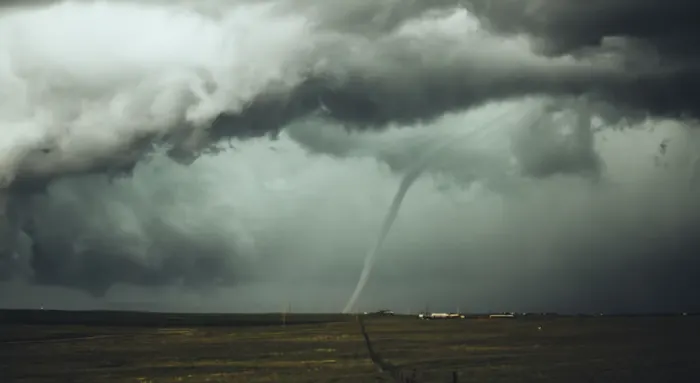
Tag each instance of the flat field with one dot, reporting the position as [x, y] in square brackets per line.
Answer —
[96, 347]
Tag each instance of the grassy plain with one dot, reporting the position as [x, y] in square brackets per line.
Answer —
[136, 347]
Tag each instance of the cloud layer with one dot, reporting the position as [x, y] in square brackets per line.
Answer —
[79, 105]
[511, 109]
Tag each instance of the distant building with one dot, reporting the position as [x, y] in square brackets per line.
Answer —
[381, 313]
[440, 316]
[505, 315]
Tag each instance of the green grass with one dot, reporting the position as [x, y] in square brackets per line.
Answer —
[331, 349]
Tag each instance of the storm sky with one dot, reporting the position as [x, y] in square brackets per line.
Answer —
[241, 155]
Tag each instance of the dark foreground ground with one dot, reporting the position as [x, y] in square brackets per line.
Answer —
[133, 347]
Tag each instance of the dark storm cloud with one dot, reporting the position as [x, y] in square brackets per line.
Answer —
[180, 261]
[67, 245]
[654, 44]
[415, 64]
[662, 36]
[404, 79]
[373, 64]
[567, 25]
[405, 83]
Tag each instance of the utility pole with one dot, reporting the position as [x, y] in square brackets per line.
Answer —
[284, 314]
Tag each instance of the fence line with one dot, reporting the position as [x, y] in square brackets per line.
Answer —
[398, 375]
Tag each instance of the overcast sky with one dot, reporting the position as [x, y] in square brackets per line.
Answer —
[241, 156]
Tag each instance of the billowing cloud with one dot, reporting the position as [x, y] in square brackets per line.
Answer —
[659, 38]
[75, 104]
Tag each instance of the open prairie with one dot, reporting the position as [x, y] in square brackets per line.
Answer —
[139, 347]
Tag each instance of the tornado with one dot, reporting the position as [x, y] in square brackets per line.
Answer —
[371, 256]
[406, 182]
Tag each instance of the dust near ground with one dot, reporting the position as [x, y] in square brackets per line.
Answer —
[131, 347]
